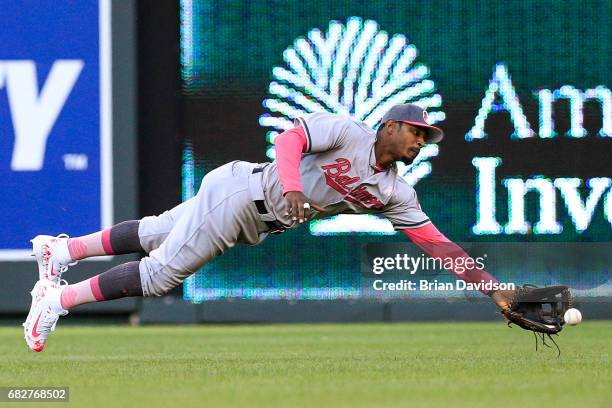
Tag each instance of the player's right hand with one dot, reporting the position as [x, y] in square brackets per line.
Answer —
[294, 206]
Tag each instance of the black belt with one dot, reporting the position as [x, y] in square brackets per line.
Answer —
[275, 226]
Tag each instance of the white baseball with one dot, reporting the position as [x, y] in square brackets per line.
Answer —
[572, 317]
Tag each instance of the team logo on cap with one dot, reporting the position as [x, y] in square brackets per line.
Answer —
[351, 69]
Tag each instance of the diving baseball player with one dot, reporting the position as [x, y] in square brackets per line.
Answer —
[327, 165]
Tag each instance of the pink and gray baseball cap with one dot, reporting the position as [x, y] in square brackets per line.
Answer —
[415, 116]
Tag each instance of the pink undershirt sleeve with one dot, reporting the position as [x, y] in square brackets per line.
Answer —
[289, 147]
[436, 245]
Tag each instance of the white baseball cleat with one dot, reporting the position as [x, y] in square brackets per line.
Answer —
[45, 311]
[52, 256]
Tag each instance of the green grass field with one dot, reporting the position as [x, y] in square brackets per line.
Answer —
[352, 365]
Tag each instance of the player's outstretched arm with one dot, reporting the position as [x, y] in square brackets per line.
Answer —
[436, 245]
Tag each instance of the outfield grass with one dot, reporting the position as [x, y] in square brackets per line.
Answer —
[353, 365]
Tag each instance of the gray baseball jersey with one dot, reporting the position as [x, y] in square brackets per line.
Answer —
[339, 171]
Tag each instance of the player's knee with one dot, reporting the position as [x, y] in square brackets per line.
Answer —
[161, 283]
[158, 290]
[153, 230]
[164, 286]
[157, 280]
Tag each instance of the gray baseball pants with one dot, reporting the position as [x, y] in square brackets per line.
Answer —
[183, 239]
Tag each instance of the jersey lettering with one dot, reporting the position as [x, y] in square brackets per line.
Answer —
[364, 198]
[336, 178]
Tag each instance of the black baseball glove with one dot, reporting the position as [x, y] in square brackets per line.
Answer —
[539, 310]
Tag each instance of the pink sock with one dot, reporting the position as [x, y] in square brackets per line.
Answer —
[86, 291]
[77, 248]
[96, 244]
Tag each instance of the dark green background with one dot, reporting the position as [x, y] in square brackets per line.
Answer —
[544, 44]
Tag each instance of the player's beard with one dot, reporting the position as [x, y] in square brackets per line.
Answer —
[407, 160]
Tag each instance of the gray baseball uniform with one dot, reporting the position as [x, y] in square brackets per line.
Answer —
[236, 204]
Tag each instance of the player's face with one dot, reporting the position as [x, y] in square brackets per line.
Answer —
[407, 142]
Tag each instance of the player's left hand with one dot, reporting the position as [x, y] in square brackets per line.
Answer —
[539, 310]
[295, 205]
[502, 298]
